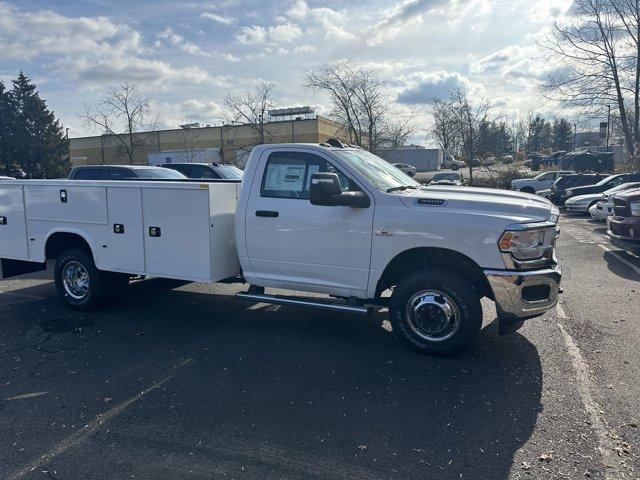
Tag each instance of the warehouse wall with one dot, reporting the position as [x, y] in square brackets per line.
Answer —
[233, 141]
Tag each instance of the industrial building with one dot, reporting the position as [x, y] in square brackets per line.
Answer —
[233, 142]
[424, 159]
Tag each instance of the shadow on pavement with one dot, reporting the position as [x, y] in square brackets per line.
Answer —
[288, 393]
[616, 266]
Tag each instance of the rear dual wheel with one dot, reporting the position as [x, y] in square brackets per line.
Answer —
[80, 284]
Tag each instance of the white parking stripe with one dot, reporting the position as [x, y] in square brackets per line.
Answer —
[623, 260]
[85, 432]
[585, 386]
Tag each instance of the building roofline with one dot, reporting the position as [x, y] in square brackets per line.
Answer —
[317, 117]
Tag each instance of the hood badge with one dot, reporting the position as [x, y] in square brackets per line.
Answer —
[433, 202]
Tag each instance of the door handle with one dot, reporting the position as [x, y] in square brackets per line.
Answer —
[267, 213]
[3, 220]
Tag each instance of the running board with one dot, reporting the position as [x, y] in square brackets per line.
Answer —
[299, 302]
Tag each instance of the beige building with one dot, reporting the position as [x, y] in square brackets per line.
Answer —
[234, 142]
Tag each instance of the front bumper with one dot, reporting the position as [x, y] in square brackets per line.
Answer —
[577, 207]
[524, 294]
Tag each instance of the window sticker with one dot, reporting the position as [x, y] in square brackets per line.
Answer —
[285, 177]
[312, 169]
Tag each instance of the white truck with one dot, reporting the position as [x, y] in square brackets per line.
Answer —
[326, 218]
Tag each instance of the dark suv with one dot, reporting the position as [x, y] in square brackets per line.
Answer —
[122, 172]
[604, 184]
[206, 170]
[559, 189]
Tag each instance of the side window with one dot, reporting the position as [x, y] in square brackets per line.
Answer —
[288, 174]
[89, 174]
[198, 171]
[120, 173]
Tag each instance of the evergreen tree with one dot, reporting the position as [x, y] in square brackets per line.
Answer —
[562, 135]
[7, 121]
[539, 136]
[41, 148]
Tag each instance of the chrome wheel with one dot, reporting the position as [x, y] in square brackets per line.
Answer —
[433, 315]
[75, 279]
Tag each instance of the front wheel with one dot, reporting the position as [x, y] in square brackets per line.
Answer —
[79, 283]
[436, 312]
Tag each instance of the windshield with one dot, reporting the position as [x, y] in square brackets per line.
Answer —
[229, 172]
[159, 173]
[445, 176]
[379, 172]
[621, 187]
[605, 180]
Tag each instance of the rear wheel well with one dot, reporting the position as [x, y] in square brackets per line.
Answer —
[62, 241]
[431, 257]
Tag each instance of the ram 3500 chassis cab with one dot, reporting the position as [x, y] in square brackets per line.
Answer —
[323, 218]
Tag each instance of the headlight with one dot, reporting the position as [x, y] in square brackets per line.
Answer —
[527, 244]
[635, 209]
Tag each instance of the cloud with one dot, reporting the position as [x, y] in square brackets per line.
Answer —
[432, 85]
[279, 33]
[224, 20]
[189, 47]
[401, 14]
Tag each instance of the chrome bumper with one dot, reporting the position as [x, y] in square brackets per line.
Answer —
[522, 295]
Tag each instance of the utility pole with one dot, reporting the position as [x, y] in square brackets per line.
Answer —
[608, 123]
[575, 134]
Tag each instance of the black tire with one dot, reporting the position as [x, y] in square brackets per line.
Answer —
[457, 292]
[98, 286]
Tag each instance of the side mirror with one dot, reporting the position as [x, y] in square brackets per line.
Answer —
[325, 189]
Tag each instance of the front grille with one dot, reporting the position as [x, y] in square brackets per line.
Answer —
[621, 208]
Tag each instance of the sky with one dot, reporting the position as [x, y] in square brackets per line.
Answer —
[186, 56]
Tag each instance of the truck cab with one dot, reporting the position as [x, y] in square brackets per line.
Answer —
[338, 220]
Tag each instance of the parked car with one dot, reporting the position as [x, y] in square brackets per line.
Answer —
[489, 161]
[586, 161]
[535, 160]
[447, 178]
[624, 225]
[206, 170]
[507, 159]
[604, 207]
[553, 159]
[540, 182]
[527, 163]
[559, 188]
[326, 219]
[457, 164]
[603, 185]
[583, 203]
[122, 172]
[408, 169]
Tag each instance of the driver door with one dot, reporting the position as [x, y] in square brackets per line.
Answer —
[293, 244]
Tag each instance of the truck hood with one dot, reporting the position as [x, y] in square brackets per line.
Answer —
[629, 195]
[513, 206]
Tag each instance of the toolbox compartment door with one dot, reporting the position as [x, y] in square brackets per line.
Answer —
[13, 229]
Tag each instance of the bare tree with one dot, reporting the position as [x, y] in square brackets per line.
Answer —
[251, 109]
[192, 142]
[357, 100]
[598, 52]
[443, 131]
[396, 132]
[123, 115]
[466, 117]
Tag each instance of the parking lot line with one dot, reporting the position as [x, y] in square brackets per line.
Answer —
[585, 385]
[623, 260]
[89, 429]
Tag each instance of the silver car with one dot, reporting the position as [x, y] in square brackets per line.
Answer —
[408, 169]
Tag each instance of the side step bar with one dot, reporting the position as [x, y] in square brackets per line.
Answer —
[302, 303]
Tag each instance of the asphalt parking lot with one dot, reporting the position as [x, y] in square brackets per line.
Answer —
[173, 382]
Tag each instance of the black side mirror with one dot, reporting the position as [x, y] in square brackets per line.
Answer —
[325, 189]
